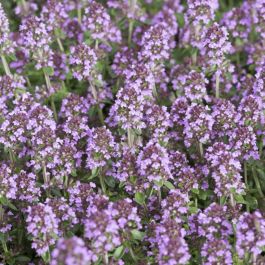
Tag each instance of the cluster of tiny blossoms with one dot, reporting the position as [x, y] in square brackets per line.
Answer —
[132, 132]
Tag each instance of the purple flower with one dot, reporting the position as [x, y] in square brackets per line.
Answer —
[175, 205]
[8, 182]
[198, 124]
[250, 230]
[98, 22]
[101, 147]
[27, 189]
[72, 251]
[169, 243]
[243, 140]
[157, 120]
[83, 60]
[42, 225]
[154, 165]
[238, 21]
[155, 45]
[36, 39]
[225, 168]
[64, 213]
[128, 108]
[201, 12]
[216, 251]
[195, 86]
[215, 45]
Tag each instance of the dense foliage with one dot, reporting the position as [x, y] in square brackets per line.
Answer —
[132, 132]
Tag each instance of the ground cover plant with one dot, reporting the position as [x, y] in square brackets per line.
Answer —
[132, 132]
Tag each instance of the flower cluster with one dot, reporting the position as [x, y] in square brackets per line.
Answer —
[132, 132]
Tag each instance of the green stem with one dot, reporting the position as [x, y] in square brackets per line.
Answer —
[159, 195]
[11, 156]
[79, 15]
[131, 22]
[132, 254]
[217, 85]
[261, 146]
[232, 200]
[106, 259]
[246, 181]
[60, 44]
[24, 4]
[257, 182]
[130, 136]
[201, 149]
[44, 173]
[49, 86]
[5, 64]
[194, 57]
[96, 44]
[102, 183]
[100, 114]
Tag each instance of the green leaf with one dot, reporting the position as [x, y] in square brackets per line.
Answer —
[48, 70]
[110, 181]
[137, 235]
[23, 258]
[240, 199]
[4, 201]
[139, 198]
[118, 253]
[195, 191]
[169, 185]
[180, 19]
[193, 209]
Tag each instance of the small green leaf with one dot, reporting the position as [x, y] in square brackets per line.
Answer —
[193, 209]
[4, 201]
[180, 19]
[23, 259]
[118, 253]
[139, 198]
[240, 199]
[48, 71]
[137, 235]
[169, 185]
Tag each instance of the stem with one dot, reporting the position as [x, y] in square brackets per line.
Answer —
[106, 259]
[11, 156]
[79, 15]
[96, 44]
[246, 180]
[133, 255]
[54, 109]
[130, 137]
[95, 96]
[100, 114]
[232, 200]
[159, 195]
[102, 183]
[60, 44]
[49, 86]
[24, 4]
[201, 149]
[131, 22]
[194, 57]
[261, 147]
[44, 172]
[257, 182]
[4, 246]
[28, 82]
[217, 85]
[5, 64]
